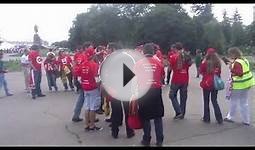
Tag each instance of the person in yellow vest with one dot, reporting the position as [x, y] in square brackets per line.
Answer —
[242, 81]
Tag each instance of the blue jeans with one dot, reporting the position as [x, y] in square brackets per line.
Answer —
[158, 129]
[51, 78]
[3, 83]
[79, 105]
[37, 78]
[179, 108]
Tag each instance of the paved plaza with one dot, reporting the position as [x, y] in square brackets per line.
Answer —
[47, 120]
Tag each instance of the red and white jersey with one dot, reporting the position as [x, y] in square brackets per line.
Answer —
[65, 60]
[50, 65]
[35, 59]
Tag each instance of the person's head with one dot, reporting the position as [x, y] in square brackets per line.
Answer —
[1, 54]
[50, 56]
[149, 49]
[178, 46]
[61, 52]
[79, 48]
[100, 48]
[198, 51]
[90, 53]
[35, 47]
[156, 46]
[173, 47]
[87, 45]
[234, 53]
[26, 51]
[112, 46]
[213, 60]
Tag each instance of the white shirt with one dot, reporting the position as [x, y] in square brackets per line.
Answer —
[24, 59]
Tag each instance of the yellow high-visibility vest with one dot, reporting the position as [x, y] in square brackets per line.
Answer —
[246, 80]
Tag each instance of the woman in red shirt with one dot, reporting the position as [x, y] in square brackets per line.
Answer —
[180, 63]
[210, 66]
[65, 62]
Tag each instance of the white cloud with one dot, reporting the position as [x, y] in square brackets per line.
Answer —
[54, 20]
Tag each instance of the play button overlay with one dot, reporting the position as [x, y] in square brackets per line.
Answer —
[119, 76]
[128, 75]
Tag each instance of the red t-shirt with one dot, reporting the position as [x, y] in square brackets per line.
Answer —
[50, 66]
[207, 80]
[65, 60]
[79, 58]
[88, 71]
[36, 59]
[159, 55]
[157, 70]
[237, 70]
[180, 76]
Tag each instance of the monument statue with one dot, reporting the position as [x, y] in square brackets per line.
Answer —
[37, 40]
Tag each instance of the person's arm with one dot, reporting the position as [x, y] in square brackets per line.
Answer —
[202, 67]
[237, 70]
[30, 62]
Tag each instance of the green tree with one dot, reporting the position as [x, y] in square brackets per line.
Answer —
[202, 15]
[238, 33]
[226, 28]
[62, 44]
[214, 36]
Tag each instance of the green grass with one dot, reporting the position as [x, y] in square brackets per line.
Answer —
[13, 65]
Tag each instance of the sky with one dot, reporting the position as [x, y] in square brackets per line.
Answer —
[54, 20]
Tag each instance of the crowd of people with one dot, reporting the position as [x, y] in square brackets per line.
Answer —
[82, 74]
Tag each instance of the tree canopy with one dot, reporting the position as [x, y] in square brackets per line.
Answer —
[164, 24]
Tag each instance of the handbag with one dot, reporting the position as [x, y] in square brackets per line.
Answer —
[218, 83]
[134, 121]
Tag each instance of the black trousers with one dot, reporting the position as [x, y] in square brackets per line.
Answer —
[77, 83]
[217, 112]
[70, 80]
[179, 108]
[37, 76]
[117, 115]
[168, 76]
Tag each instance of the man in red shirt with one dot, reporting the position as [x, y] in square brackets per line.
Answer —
[171, 51]
[151, 104]
[180, 63]
[88, 71]
[36, 71]
[51, 68]
[78, 58]
[158, 53]
[65, 63]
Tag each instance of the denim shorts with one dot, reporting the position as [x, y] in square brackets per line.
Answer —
[92, 100]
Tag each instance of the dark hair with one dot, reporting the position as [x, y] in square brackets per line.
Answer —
[213, 61]
[173, 46]
[86, 44]
[235, 52]
[114, 46]
[178, 45]
[34, 47]
[198, 51]
[149, 48]
[100, 48]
